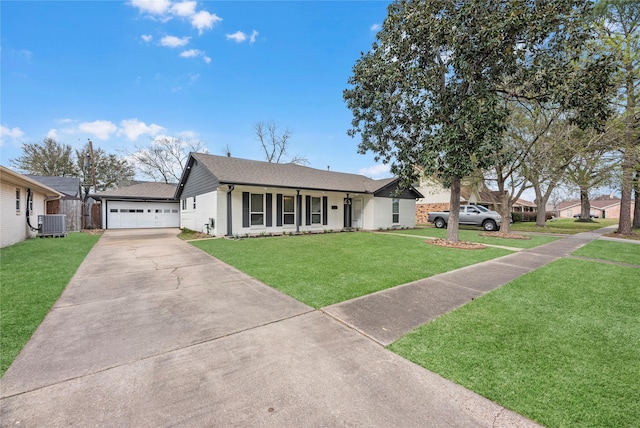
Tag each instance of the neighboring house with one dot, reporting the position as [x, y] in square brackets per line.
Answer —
[436, 198]
[71, 202]
[601, 207]
[22, 200]
[143, 205]
[231, 196]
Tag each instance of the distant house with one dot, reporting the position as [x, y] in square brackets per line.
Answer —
[22, 199]
[142, 205]
[601, 207]
[231, 196]
[435, 198]
[71, 202]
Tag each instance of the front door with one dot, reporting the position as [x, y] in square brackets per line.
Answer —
[356, 212]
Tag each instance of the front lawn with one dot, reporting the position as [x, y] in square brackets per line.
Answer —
[568, 226]
[320, 270]
[559, 345]
[476, 236]
[33, 275]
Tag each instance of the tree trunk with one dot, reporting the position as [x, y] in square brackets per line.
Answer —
[624, 223]
[505, 212]
[636, 210]
[585, 205]
[541, 209]
[454, 211]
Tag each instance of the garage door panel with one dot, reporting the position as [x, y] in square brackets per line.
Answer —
[121, 214]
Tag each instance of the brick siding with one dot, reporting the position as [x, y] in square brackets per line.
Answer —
[422, 211]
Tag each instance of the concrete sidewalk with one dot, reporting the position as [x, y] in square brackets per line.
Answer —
[153, 332]
[387, 315]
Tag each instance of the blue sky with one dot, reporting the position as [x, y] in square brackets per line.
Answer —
[123, 73]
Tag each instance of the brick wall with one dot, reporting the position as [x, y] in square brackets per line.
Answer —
[422, 211]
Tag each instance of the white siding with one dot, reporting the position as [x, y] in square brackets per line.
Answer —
[376, 212]
[383, 216]
[206, 208]
[13, 224]
[433, 193]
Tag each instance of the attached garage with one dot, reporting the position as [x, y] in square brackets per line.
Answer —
[143, 205]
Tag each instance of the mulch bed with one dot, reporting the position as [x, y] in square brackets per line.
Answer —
[504, 235]
[462, 245]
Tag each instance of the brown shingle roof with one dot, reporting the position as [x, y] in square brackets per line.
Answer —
[142, 190]
[229, 170]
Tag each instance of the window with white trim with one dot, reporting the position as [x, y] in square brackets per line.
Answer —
[288, 210]
[17, 201]
[194, 202]
[316, 210]
[257, 209]
[184, 205]
[395, 211]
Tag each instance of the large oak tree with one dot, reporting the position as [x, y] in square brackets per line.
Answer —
[430, 95]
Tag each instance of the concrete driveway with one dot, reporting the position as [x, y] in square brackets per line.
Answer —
[153, 332]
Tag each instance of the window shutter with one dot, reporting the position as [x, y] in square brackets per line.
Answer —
[245, 209]
[325, 203]
[279, 209]
[298, 209]
[268, 209]
[307, 213]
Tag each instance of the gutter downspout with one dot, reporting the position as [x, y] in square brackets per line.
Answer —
[229, 211]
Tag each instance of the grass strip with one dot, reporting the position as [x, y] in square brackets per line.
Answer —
[556, 345]
[612, 251]
[320, 270]
[568, 226]
[33, 274]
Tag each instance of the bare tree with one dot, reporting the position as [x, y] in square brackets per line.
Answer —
[275, 144]
[165, 158]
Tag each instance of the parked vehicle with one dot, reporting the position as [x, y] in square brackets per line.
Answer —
[474, 215]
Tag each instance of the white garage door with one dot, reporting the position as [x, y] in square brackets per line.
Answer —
[122, 215]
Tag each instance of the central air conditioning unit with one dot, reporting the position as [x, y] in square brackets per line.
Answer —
[52, 225]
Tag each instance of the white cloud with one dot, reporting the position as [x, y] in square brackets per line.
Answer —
[237, 37]
[147, 37]
[174, 42]
[375, 171]
[194, 53]
[153, 7]
[64, 121]
[191, 53]
[133, 128]
[252, 39]
[53, 133]
[185, 8]
[204, 20]
[375, 27]
[7, 133]
[101, 129]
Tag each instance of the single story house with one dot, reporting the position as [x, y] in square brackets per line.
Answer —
[601, 207]
[226, 196]
[22, 200]
[142, 205]
[71, 202]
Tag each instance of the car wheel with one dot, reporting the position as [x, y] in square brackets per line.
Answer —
[439, 223]
[489, 225]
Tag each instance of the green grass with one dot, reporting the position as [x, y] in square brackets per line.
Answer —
[32, 277]
[559, 345]
[320, 270]
[613, 251]
[474, 236]
[566, 226]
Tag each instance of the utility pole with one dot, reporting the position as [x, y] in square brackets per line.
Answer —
[93, 166]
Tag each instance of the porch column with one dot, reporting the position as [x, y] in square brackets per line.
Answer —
[229, 211]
